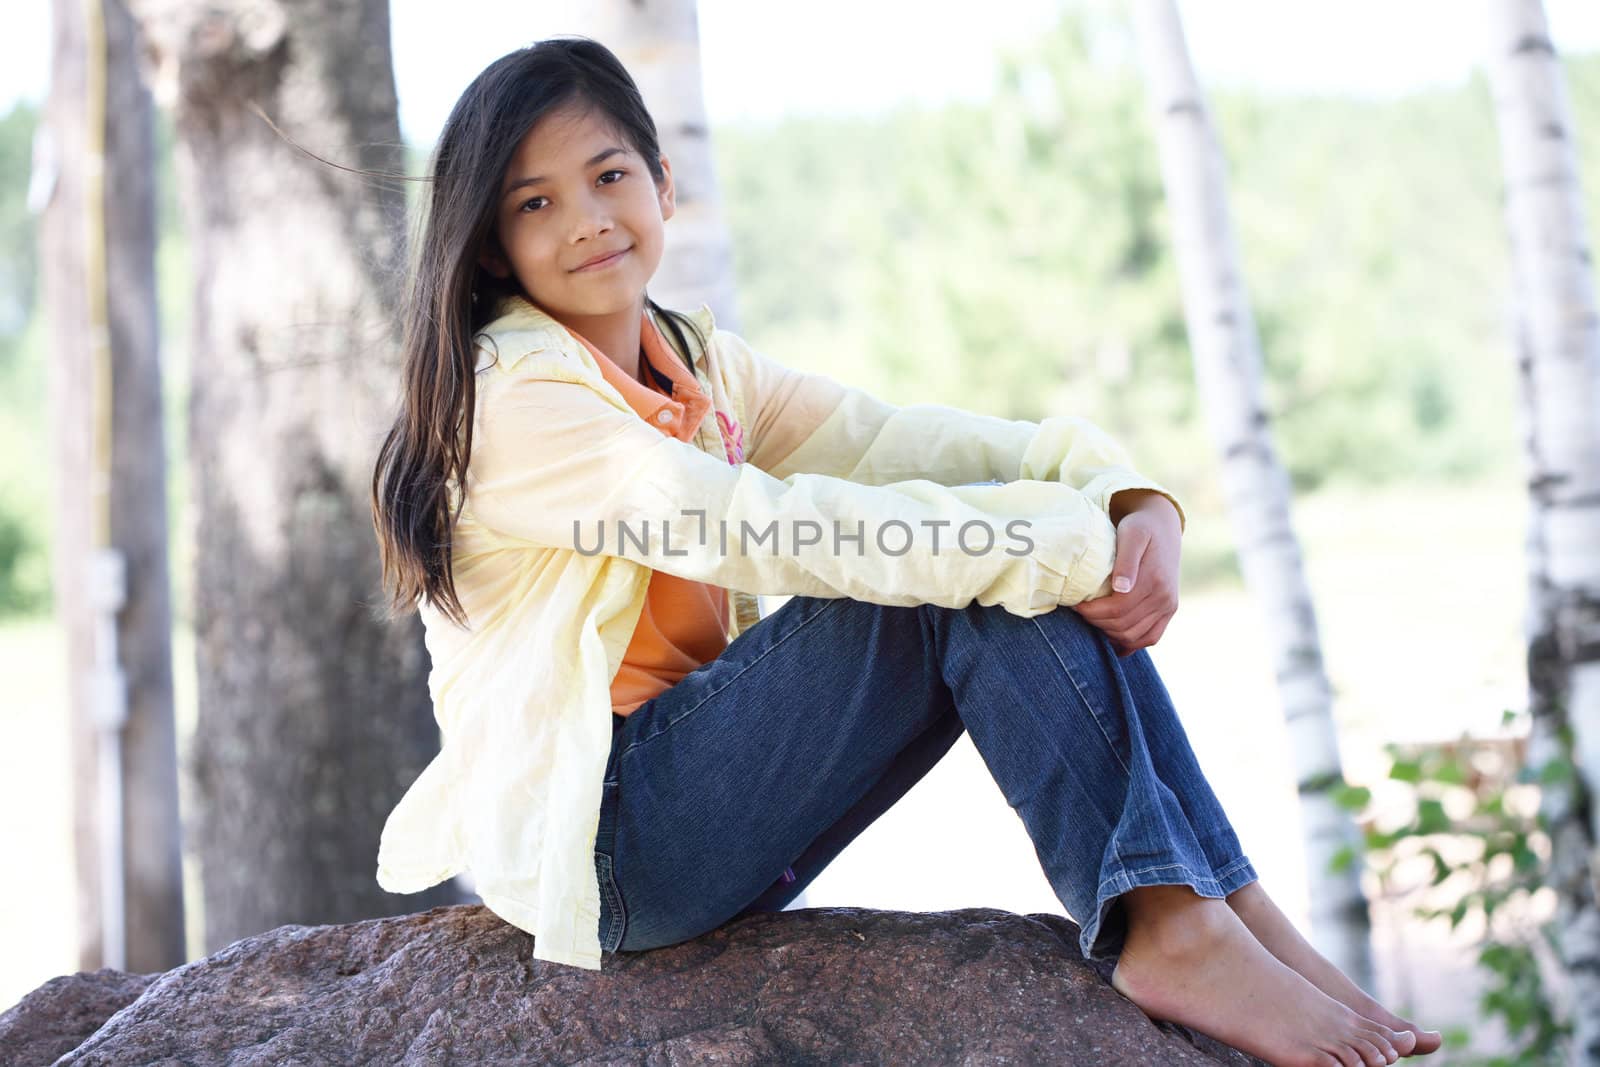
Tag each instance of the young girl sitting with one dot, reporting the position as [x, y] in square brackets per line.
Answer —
[582, 495]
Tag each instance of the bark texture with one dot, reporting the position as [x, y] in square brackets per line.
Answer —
[314, 714]
[1227, 362]
[98, 250]
[836, 986]
[1558, 363]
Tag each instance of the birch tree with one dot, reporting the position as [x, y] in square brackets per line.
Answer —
[95, 169]
[314, 714]
[1227, 361]
[658, 42]
[1558, 365]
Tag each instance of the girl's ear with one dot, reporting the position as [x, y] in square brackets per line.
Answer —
[494, 263]
[666, 192]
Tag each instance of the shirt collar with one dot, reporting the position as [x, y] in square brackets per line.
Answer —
[520, 328]
[675, 407]
[679, 411]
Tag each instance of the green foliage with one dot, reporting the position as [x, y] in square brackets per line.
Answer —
[24, 483]
[1013, 256]
[26, 504]
[1481, 867]
[18, 272]
[23, 588]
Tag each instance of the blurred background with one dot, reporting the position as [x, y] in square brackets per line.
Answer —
[951, 207]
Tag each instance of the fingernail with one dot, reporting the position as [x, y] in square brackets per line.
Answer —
[1122, 584]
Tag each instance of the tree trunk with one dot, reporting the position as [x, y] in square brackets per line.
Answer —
[99, 256]
[1227, 359]
[1558, 362]
[314, 714]
[659, 42]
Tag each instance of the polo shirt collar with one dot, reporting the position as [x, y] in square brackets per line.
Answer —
[679, 407]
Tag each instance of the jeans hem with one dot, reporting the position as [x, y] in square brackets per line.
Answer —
[1092, 940]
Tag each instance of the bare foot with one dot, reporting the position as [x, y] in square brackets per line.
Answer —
[1274, 930]
[1191, 960]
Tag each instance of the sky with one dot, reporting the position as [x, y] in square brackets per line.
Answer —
[762, 60]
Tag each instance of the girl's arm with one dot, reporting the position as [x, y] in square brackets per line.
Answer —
[811, 423]
[552, 460]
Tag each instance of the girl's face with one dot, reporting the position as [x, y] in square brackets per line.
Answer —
[577, 190]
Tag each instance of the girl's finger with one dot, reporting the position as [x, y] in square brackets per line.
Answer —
[1112, 633]
[1119, 609]
[1137, 633]
[1132, 542]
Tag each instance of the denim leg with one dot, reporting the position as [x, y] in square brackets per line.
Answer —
[1088, 750]
[737, 771]
[905, 771]
[820, 717]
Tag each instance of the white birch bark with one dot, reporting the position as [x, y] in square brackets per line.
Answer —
[1227, 360]
[659, 42]
[1558, 341]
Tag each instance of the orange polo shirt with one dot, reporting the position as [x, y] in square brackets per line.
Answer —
[684, 623]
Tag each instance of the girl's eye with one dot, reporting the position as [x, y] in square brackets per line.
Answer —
[529, 205]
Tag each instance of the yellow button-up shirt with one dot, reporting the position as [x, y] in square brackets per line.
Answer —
[792, 484]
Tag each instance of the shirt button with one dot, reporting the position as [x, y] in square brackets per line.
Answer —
[664, 416]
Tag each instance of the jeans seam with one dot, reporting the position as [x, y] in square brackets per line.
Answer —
[1094, 713]
[1124, 873]
[1217, 877]
[1237, 865]
[807, 621]
[1084, 696]
[618, 926]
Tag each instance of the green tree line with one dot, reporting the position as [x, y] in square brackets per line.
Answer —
[1010, 256]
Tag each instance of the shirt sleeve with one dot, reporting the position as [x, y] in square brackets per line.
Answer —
[811, 423]
[557, 463]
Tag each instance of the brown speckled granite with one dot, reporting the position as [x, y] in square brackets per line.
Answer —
[816, 986]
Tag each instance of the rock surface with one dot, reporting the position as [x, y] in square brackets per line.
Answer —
[61, 1014]
[457, 985]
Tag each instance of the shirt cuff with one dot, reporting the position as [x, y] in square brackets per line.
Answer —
[1102, 489]
[1090, 575]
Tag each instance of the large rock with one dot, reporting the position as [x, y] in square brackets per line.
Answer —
[456, 985]
[61, 1014]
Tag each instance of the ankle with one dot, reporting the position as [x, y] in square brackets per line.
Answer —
[1175, 922]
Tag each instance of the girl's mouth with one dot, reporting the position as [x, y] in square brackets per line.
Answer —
[602, 264]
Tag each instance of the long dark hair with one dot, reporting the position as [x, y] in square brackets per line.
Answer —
[419, 484]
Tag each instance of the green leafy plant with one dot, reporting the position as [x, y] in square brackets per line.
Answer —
[1476, 848]
[24, 586]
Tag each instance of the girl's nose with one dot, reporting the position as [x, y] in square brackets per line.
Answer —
[590, 222]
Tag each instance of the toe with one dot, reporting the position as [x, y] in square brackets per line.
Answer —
[1427, 1041]
[1368, 1052]
[1347, 1056]
[1420, 1041]
[1381, 1037]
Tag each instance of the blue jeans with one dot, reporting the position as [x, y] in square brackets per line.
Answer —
[730, 791]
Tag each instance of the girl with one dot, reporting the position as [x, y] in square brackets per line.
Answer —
[569, 497]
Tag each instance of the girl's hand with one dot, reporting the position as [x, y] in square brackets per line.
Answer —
[1148, 543]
